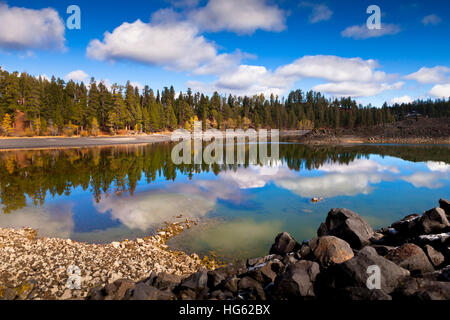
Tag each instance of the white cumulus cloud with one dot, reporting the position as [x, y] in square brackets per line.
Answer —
[350, 77]
[333, 68]
[441, 91]
[173, 45]
[239, 16]
[24, 29]
[436, 74]
[77, 75]
[403, 99]
[356, 89]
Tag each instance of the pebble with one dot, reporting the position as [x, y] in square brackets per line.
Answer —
[46, 261]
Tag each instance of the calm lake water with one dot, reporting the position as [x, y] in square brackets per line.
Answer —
[114, 193]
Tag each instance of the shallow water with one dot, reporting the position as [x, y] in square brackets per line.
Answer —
[114, 193]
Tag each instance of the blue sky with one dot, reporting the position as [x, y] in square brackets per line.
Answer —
[239, 47]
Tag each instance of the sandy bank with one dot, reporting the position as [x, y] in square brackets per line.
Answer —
[62, 142]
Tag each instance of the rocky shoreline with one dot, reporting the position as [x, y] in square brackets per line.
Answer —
[38, 268]
[412, 256]
[421, 131]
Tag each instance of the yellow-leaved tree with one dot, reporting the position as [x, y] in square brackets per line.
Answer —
[7, 127]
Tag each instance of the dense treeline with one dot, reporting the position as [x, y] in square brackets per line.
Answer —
[58, 107]
[34, 176]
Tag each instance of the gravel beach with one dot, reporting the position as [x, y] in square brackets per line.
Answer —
[38, 268]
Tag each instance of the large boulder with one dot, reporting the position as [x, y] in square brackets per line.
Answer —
[117, 290]
[143, 291]
[435, 256]
[423, 289]
[347, 225]
[215, 277]
[266, 272]
[284, 244]
[250, 289]
[329, 250]
[164, 281]
[411, 257]
[433, 221]
[297, 281]
[407, 225]
[356, 272]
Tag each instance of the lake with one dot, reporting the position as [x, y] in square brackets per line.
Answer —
[104, 194]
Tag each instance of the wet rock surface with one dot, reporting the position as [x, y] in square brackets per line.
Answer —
[348, 226]
[347, 261]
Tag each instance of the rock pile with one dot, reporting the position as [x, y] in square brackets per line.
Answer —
[38, 268]
[412, 256]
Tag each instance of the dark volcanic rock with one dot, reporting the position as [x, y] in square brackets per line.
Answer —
[347, 225]
[434, 221]
[251, 289]
[411, 257]
[112, 291]
[266, 272]
[196, 281]
[354, 273]
[231, 284]
[435, 257]
[439, 275]
[341, 264]
[165, 281]
[284, 244]
[382, 250]
[358, 293]
[217, 276]
[297, 281]
[329, 250]
[143, 291]
[445, 205]
[423, 289]
[407, 226]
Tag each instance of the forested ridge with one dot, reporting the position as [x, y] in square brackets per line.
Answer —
[54, 107]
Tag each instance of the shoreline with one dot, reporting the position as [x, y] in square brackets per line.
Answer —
[413, 255]
[39, 143]
[43, 143]
[411, 259]
[358, 140]
[33, 267]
